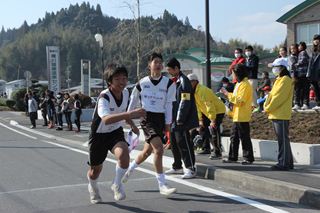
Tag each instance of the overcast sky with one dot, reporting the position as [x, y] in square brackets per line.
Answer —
[250, 20]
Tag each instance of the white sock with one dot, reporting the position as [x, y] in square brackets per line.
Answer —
[133, 165]
[161, 179]
[92, 182]
[119, 174]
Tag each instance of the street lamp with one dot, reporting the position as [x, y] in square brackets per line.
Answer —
[99, 39]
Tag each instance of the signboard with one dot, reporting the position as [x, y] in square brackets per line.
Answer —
[85, 77]
[53, 68]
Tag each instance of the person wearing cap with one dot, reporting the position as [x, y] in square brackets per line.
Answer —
[211, 111]
[184, 118]
[278, 107]
[262, 98]
[313, 72]
[266, 81]
[241, 99]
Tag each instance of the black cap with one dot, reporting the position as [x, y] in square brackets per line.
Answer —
[316, 37]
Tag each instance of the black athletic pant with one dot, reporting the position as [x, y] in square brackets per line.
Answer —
[241, 131]
[216, 140]
[301, 91]
[33, 117]
[182, 148]
[44, 116]
[77, 120]
[59, 118]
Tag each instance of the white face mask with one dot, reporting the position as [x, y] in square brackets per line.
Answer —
[224, 85]
[248, 53]
[237, 55]
[276, 71]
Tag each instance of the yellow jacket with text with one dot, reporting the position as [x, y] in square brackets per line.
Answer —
[208, 103]
[279, 101]
[241, 98]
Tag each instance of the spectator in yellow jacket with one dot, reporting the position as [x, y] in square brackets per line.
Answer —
[241, 99]
[210, 113]
[278, 107]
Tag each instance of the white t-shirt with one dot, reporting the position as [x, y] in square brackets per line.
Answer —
[107, 105]
[154, 96]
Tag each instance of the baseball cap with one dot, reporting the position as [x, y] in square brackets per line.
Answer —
[193, 77]
[266, 88]
[280, 62]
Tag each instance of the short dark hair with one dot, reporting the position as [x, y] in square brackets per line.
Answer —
[154, 55]
[173, 63]
[76, 96]
[112, 70]
[249, 47]
[239, 49]
[284, 48]
[303, 44]
[240, 71]
[284, 71]
[225, 79]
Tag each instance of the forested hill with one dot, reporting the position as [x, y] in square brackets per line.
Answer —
[73, 29]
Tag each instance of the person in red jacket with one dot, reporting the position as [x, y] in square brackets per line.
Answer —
[239, 60]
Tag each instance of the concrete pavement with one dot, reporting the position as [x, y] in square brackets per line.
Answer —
[299, 186]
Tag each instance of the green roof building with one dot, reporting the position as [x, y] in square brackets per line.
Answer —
[193, 60]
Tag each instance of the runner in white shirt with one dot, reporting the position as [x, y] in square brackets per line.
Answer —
[155, 93]
[107, 132]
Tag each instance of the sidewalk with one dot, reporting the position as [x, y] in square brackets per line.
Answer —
[300, 186]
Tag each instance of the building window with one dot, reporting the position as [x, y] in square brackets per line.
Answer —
[305, 32]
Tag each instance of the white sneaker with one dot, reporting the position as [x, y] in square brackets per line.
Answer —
[174, 171]
[94, 194]
[304, 107]
[316, 108]
[126, 176]
[296, 107]
[166, 190]
[188, 174]
[118, 191]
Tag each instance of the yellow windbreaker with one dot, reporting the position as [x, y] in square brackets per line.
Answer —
[208, 103]
[279, 101]
[241, 98]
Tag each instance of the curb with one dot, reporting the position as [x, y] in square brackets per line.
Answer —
[275, 189]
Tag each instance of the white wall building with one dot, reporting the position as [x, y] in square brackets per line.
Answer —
[15, 85]
[2, 86]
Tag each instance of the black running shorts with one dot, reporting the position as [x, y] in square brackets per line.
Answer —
[153, 126]
[101, 143]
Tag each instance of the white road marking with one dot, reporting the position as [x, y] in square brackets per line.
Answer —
[237, 198]
[24, 134]
[65, 186]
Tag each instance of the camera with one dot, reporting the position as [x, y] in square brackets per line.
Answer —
[197, 141]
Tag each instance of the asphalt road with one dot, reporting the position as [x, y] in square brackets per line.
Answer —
[40, 173]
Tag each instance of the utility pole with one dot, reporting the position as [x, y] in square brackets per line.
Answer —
[138, 40]
[18, 72]
[208, 61]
